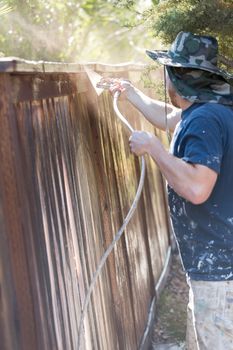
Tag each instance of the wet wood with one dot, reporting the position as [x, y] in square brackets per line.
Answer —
[67, 181]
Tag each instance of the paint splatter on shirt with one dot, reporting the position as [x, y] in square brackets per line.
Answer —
[204, 232]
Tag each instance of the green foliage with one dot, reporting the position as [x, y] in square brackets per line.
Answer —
[148, 80]
[56, 30]
[124, 3]
[107, 30]
[212, 17]
[4, 8]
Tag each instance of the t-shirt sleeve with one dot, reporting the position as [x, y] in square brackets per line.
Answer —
[202, 143]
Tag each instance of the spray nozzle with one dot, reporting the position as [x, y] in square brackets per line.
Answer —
[104, 85]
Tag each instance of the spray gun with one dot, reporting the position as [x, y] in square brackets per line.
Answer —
[106, 86]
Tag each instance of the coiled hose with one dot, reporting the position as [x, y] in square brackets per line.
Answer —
[121, 230]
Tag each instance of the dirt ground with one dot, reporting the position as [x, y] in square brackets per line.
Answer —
[170, 324]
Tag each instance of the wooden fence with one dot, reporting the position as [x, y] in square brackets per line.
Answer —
[67, 180]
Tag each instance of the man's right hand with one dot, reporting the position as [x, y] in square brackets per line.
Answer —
[118, 84]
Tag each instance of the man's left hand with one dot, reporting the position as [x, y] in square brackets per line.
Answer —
[141, 142]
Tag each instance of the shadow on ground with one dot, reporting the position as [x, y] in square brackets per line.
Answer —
[170, 324]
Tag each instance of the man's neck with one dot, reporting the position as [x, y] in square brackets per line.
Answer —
[184, 104]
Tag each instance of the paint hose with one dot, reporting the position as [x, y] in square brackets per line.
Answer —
[121, 230]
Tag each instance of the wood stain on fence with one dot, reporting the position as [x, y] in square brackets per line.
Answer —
[67, 180]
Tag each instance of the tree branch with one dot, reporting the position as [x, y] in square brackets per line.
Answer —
[228, 62]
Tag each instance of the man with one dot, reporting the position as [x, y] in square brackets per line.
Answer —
[199, 173]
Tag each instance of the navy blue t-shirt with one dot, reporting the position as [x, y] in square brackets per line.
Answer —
[204, 232]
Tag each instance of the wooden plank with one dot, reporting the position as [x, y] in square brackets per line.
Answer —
[31, 87]
[19, 65]
[24, 326]
[8, 334]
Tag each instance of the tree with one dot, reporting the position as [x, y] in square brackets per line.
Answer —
[4, 8]
[109, 30]
[84, 30]
[213, 17]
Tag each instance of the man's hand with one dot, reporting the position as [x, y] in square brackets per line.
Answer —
[118, 84]
[142, 142]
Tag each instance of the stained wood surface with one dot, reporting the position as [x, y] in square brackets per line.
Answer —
[67, 180]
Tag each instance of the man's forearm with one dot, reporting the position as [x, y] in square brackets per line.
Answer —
[193, 182]
[154, 110]
[178, 174]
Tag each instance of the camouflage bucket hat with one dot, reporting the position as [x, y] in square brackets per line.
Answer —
[196, 85]
[204, 81]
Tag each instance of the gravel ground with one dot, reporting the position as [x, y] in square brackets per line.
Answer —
[170, 324]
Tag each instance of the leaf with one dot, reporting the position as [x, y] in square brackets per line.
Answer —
[4, 8]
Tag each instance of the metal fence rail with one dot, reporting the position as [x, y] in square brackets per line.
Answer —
[67, 180]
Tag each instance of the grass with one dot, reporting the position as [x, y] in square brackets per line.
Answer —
[170, 326]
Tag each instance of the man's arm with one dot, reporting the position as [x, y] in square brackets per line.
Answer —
[193, 182]
[154, 110]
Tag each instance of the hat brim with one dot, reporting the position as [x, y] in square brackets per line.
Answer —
[209, 88]
[164, 58]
